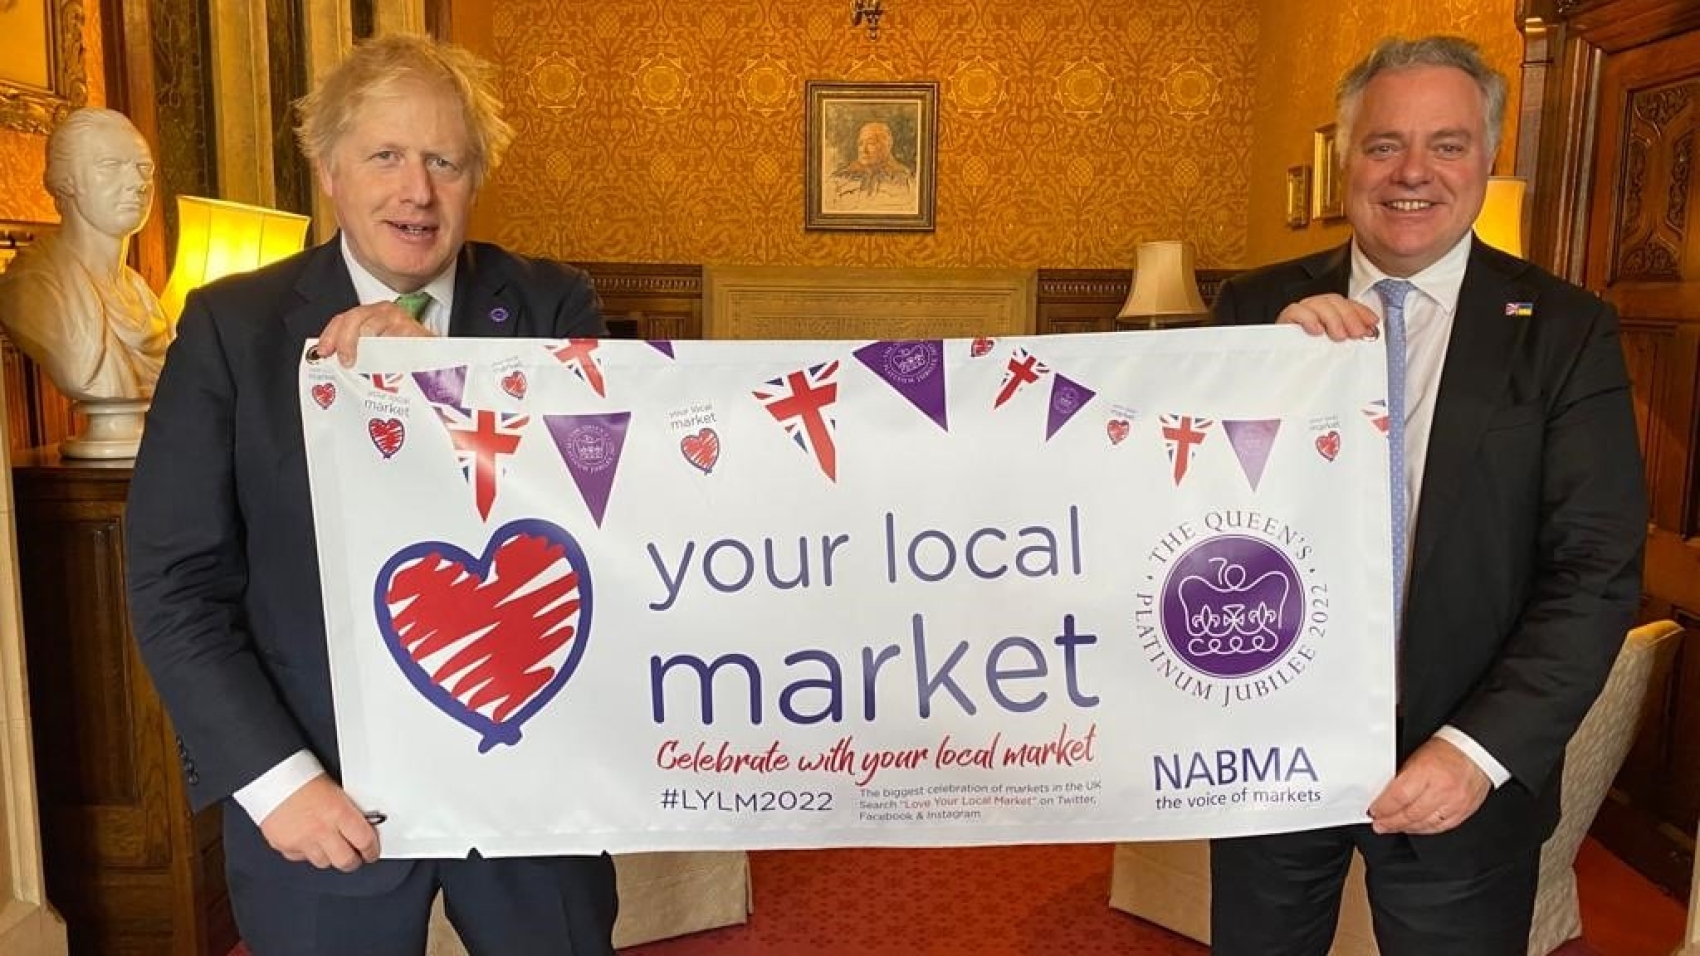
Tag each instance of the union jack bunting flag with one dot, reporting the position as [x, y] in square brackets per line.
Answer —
[1023, 369]
[800, 401]
[1181, 433]
[1376, 414]
[482, 438]
[580, 356]
[387, 381]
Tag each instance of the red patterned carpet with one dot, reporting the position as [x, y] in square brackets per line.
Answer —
[1046, 901]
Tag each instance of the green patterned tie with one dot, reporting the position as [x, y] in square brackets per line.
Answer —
[414, 303]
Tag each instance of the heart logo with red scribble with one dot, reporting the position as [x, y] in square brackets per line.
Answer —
[981, 346]
[514, 383]
[1328, 444]
[702, 449]
[387, 434]
[490, 640]
[324, 394]
[1117, 429]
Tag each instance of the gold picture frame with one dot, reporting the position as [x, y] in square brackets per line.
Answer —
[1328, 192]
[870, 160]
[41, 63]
[1298, 197]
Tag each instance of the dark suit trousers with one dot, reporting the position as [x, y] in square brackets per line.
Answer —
[530, 906]
[1280, 896]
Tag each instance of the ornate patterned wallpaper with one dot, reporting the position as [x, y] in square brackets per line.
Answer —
[1305, 46]
[23, 156]
[1069, 130]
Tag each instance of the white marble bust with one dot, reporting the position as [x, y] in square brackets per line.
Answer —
[69, 301]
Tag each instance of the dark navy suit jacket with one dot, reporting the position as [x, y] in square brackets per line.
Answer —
[1526, 562]
[223, 571]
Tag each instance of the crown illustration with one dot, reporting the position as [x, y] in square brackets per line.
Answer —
[1233, 615]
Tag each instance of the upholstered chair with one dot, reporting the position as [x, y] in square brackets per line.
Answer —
[1169, 883]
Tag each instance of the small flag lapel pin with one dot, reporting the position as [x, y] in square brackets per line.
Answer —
[1520, 309]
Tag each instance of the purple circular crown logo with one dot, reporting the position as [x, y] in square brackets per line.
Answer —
[1066, 399]
[591, 447]
[911, 362]
[1232, 606]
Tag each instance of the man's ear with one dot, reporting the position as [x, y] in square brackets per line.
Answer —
[322, 170]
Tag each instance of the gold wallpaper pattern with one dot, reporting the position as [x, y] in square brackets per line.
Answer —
[1069, 131]
[1305, 46]
[23, 156]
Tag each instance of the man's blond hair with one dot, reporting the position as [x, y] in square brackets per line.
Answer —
[380, 63]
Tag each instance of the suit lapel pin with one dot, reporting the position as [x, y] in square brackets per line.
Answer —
[1520, 310]
[498, 315]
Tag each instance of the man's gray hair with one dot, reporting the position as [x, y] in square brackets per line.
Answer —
[1397, 53]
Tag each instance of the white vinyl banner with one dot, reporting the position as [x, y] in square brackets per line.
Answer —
[602, 595]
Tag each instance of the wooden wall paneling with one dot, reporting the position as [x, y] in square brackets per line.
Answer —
[36, 412]
[655, 301]
[1087, 300]
[133, 872]
[1631, 75]
[1562, 145]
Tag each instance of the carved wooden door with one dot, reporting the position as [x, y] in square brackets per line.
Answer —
[1643, 255]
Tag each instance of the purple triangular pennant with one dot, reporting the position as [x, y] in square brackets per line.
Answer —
[1068, 397]
[915, 369]
[590, 445]
[443, 386]
[1251, 441]
[663, 346]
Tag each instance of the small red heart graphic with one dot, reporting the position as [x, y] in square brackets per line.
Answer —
[702, 449]
[514, 383]
[1117, 429]
[324, 393]
[1328, 444]
[387, 435]
[981, 346]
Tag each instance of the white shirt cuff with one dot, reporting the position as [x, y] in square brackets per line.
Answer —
[263, 794]
[1495, 770]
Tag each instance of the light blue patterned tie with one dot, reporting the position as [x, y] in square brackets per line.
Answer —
[1393, 293]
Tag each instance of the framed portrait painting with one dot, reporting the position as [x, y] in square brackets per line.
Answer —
[41, 63]
[870, 161]
[1298, 197]
[1328, 187]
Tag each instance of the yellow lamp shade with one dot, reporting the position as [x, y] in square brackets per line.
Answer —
[1500, 223]
[216, 238]
[1165, 288]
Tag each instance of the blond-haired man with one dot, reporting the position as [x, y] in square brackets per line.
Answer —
[224, 582]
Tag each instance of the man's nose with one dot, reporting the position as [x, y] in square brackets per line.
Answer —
[416, 185]
[1413, 168]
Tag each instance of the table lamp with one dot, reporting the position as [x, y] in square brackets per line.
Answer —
[216, 238]
[1165, 289]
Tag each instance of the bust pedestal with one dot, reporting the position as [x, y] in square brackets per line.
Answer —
[113, 429]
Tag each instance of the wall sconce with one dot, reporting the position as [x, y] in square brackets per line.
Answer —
[1500, 223]
[216, 238]
[869, 12]
[1165, 289]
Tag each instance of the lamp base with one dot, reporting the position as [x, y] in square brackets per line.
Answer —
[113, 429]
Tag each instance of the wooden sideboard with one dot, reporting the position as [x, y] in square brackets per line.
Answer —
[131, 870]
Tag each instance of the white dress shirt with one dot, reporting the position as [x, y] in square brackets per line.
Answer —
[1429, 314]
[263, 795]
